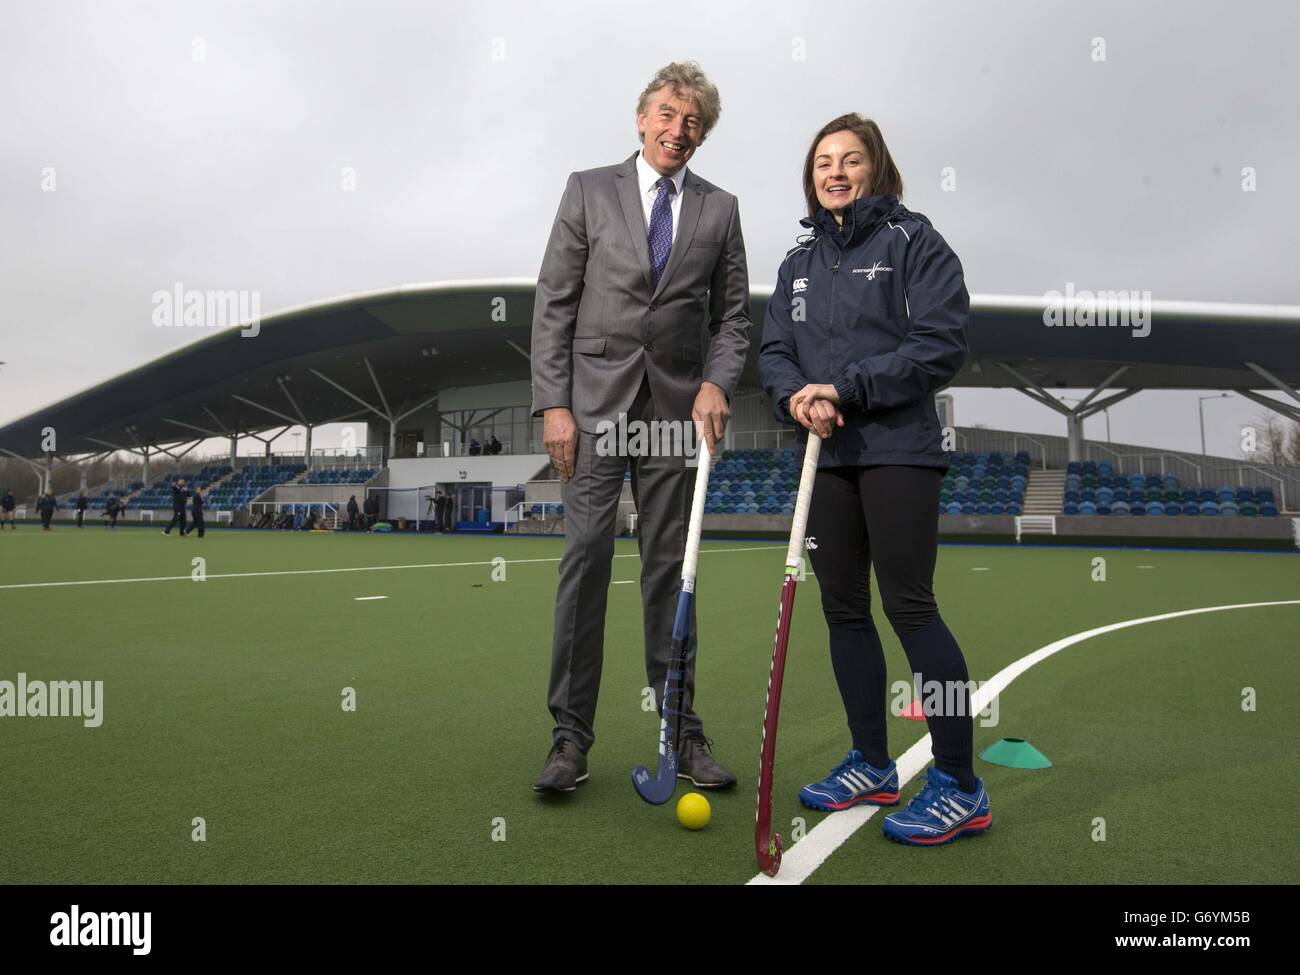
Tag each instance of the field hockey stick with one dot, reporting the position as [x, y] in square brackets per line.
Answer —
[659, 789]
[767, 844]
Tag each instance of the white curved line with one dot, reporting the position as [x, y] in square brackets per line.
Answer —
[798, 863]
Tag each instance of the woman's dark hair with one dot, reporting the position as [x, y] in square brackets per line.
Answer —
[884, 174]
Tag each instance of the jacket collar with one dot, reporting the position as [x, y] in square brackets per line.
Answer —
[861, 218]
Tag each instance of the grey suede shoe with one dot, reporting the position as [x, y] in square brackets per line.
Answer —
[697, 766]
[566, 766]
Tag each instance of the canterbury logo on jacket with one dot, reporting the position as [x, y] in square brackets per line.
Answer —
[879, 309]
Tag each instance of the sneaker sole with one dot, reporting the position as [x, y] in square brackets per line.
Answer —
[550, 788]
[976, 826]
[879, 799]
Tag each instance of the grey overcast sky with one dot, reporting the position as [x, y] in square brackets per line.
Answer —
[461, 121]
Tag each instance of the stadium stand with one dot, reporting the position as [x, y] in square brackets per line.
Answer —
[248, 482]
[1096, 488]
[99, 499]
[985, 484]
[753, 482]
[340, 476]
[158, 495]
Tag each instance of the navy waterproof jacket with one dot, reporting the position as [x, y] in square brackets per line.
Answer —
[878, 308]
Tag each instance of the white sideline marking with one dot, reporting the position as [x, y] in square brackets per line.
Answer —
[363, 599]
[980, 568]
[1146, 566]
[309, 572]
[798, 863]
[624, 582]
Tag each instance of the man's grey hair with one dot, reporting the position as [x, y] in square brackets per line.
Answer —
[687, 78]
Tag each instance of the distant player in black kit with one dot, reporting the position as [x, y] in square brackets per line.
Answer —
[115, 508]
[81, 507]
[179, 497]
[196, 510]
[45, 506]
[7, 504]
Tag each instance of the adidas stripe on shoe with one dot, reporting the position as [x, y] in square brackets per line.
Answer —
[853, 782]
[940, 813]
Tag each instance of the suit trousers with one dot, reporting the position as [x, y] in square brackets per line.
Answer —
[661, 489]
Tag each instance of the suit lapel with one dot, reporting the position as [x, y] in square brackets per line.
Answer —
[692, 203]
[629, 193]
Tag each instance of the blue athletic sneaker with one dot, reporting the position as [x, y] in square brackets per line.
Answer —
[940, 813]
[853, 783]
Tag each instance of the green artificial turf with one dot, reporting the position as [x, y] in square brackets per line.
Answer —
[222, 701]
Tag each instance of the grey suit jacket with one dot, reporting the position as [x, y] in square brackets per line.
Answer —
[598, 326]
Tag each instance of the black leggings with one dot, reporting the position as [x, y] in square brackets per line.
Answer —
[887, 517]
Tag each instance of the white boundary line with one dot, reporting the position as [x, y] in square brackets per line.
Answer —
[798, 863]
[308, 572]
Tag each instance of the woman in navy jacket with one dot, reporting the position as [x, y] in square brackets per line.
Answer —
[867, 321]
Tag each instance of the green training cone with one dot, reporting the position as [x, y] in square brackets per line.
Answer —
[1015, 753]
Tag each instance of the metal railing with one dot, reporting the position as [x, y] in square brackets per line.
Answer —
[334, 458]
[1204, 474]
[976, 441]
[759, 439]
[1196, 470]
[522, 512]
[330, 509]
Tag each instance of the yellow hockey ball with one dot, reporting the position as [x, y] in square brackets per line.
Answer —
[693, 811]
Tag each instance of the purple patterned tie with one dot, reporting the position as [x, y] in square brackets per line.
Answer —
[660, 237]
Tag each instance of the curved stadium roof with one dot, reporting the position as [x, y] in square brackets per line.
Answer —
[416, 340]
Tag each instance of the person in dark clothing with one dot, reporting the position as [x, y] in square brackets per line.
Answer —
[81, 507]
[353, 512]
[7, 505]
[494, 446]
[475, 448]
[179, 497]
[115, 508]
[448, 511]
[196, 510]
[46, 506]
[861, 371]
[438, 504]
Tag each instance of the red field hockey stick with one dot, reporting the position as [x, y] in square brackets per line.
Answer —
[767, 844]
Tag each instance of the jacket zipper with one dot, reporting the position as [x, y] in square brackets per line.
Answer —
[830, 322]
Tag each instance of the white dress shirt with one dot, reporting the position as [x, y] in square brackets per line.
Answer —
[647, 178]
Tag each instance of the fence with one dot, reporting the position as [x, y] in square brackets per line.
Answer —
[1192, 470]
[329, 510]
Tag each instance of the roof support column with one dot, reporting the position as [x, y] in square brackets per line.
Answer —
[387, 412]
[1074, 434]
[1074, 416]
[1286, 410]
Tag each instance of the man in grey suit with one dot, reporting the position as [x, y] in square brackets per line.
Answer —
[642, 258]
